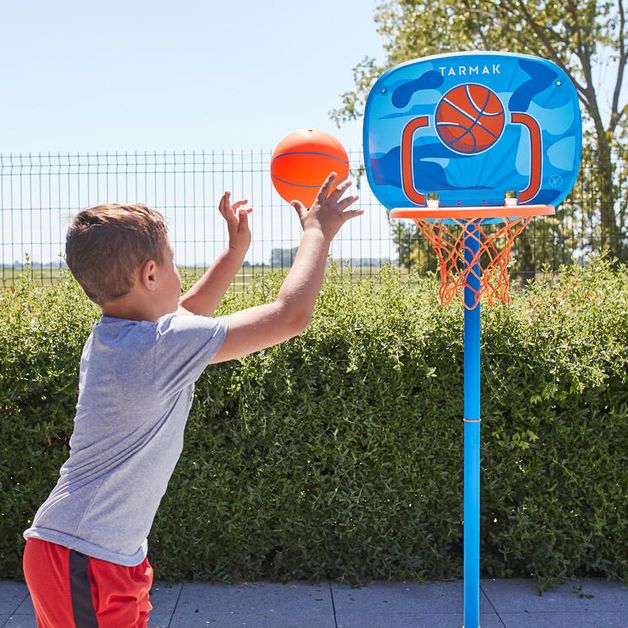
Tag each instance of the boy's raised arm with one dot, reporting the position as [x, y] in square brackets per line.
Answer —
[205, 295]
[266, 325]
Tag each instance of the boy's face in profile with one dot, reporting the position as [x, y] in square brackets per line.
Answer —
[155, 291]
[168, 285]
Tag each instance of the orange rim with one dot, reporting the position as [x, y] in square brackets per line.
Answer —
[473, 213]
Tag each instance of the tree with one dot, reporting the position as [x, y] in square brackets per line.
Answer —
[586, 38]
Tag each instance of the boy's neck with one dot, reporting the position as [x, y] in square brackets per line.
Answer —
[131, 311]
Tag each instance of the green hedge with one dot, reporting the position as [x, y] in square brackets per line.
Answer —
[339, 454]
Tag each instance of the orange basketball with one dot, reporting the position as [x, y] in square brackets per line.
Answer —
[303, 160]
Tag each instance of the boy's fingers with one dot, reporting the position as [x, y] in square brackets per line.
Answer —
[324, 191]
[341, 189]
[239, 204]
[243, 218]
[300, 208]
[345, 202]
[354, 213]
[223, 204]
[229, 211]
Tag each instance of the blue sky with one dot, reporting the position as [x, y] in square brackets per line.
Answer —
[140, 75]
[191, 75]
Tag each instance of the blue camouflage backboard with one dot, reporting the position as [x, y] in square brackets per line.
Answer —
[471, 128]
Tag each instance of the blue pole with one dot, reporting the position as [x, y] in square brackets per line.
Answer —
[472, 436]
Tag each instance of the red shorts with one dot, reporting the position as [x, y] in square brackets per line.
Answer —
[71, 590]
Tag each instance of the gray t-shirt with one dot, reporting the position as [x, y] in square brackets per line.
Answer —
[136, 385]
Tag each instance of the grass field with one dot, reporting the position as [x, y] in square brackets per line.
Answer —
[9, 276]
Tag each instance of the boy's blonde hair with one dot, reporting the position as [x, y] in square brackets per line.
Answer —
[106, 244]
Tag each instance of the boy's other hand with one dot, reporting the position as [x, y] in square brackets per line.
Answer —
[327, 213]
[237, 222]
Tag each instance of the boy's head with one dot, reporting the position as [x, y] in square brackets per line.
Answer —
[108, 248]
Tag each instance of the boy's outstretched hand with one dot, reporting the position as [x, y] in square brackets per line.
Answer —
[289, 314]
[237, 222]
[327, 213]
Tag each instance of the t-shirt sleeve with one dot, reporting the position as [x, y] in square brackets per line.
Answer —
[184, 347]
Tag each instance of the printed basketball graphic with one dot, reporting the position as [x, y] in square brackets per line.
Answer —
[469, 118]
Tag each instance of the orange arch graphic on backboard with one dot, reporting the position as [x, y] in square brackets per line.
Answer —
[536, 154]
[407, 176]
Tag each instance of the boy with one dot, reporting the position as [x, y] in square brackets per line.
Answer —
[85, 560]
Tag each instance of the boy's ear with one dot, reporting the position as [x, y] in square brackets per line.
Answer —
[148, 275]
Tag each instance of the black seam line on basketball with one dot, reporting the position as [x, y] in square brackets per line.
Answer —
[468, 92]
[473, 121]
[466, 132]
[342, 161]
[302, 185]
[477, 122]
[456, 125]
[469, 132]
[462, 111]
[481, 112]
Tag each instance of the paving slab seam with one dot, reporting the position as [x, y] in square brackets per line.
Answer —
[25, 597]
[13, 612]
[488, 599]
[333, 603]
[174, 609]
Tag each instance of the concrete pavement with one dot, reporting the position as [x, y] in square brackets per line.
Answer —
[587, 603]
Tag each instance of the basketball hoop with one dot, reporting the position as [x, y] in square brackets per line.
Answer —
[472, 129]
[462, 239]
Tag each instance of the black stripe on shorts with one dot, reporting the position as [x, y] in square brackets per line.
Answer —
[82, 607]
